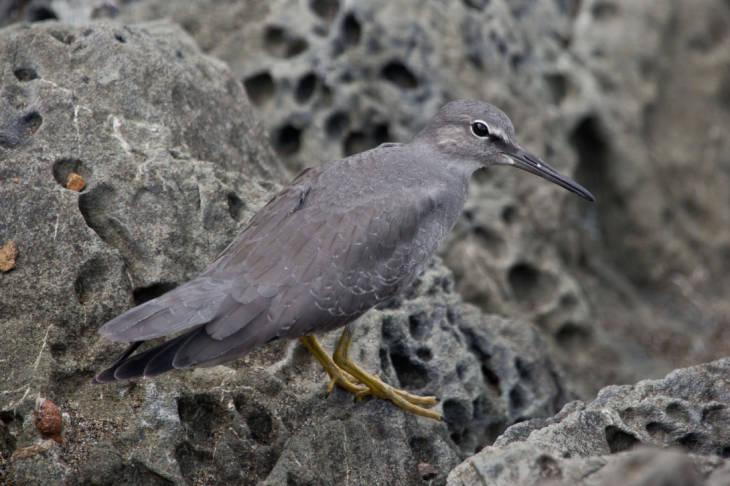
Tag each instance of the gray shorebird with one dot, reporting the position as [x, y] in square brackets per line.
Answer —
[336, 242]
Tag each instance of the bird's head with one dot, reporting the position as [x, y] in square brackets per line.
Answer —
[481, 134]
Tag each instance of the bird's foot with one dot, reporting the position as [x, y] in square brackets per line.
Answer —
[375, 386]
[344, 380]
[337, 375]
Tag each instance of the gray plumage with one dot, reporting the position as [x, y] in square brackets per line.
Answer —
[336, 242]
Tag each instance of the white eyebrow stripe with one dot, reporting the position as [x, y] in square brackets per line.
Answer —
[498, 132]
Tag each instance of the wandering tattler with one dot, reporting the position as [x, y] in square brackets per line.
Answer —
[336, 242]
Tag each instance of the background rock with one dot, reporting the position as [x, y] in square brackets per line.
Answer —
[631, 97]
[686, 410]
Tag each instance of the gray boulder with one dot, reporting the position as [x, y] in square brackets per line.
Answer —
[604, 442]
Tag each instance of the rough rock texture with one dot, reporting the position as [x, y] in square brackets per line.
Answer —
[631, 97]
[173, 163]
[624, 94]
[604, 442]
[165, 142]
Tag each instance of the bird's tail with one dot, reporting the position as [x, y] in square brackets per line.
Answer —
[152, 362]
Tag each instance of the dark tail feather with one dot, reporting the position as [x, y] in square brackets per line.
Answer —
[107, 375]
[163, 360]
[152, 362]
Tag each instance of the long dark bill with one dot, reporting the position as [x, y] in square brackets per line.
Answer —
[526, 161]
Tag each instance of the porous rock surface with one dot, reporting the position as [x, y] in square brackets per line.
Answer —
[630, 97]
[173, 164]
[622, 94]
[620, 437]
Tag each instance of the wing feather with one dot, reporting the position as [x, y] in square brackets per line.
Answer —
[184, 307]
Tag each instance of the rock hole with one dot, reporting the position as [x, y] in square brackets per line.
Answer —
[325, 9]
[658, 430]
[476, 4]
[411, 374]
[67, 172]
[715, 413]
[261, 426]
[480, 406]
[144, 294]
[193, 463]
[725, 452]
[420, 325]
[425, 354]
[31, 122]
[398, 73]
[40, 14]
[355, 142]
[523, 369]
[120, 38]
[491, 378]
[619, 440]
[62, 36]
[336, 124]
[590, 143]
[8, 441]
[557, 84]
[490, 240]
[461, 370]
[25, 74]
[456, 412]
[677, 411]
[572, 336]
[604, 10]
[549, 467]
[529, 285]
[516, 60]
[516, 399]
[494, 430]
[96, 206]
[91, 280]
[388, 329]
[235, 206]
[458, 417]
[200, 415]
[287, 140]
[281, 43]
[106, 10]
[568, 302]
[260, 87]
[509, 214]
[351, 31]
[306, 87]
[691, 441]
[20, 130]
[422, 448]
[381, 134]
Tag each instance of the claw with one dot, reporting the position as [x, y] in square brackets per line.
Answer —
[349, 376]
[375, 386]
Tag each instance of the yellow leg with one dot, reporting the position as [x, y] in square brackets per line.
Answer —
[338, 376]
[375, 386]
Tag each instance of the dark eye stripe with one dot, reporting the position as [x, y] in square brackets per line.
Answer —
[480, 129]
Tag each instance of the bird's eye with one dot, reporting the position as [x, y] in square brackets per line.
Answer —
[480, 129]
